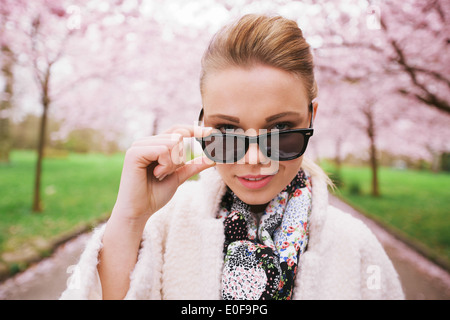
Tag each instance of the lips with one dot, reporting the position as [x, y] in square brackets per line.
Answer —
[255, 181]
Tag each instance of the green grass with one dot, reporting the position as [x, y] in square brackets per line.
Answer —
[80, 190]
[414, 203]
[77, 191]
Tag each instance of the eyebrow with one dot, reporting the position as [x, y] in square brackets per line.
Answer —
[268, 119]
[225, 117]
[282, 114]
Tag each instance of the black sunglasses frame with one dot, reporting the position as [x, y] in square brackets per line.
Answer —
[306, 132]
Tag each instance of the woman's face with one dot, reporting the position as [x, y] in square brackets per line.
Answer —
[250, 99]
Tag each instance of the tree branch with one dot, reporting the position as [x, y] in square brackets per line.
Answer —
[424, 95]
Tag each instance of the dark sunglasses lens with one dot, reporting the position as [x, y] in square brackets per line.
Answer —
[291, 145]
[224, 148]
[284, 145]
[230, 148]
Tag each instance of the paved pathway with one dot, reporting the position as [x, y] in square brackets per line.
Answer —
[47, 279]
[421, 279]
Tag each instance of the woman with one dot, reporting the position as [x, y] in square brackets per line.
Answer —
[257, 224]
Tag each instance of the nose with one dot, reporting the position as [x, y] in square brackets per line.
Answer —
[254, 155]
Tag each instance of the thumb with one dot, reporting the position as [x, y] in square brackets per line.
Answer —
[193, 167]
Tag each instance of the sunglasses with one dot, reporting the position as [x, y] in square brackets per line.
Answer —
[277, 145]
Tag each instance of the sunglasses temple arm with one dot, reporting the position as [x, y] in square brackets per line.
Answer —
[200, 116]
[312, 114]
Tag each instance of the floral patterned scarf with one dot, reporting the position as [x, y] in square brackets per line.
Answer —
[261, 257]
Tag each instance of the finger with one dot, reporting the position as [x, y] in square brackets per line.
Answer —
[191, 131]
[158, 157]
[169, 161]
[143, 156]
[174, 144]
[193, 167]
[162, 135]
[178, 127]
[168, 140]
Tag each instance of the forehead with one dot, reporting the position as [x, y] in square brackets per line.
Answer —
[255, 92]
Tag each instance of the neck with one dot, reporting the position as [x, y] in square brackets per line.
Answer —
[257, 208]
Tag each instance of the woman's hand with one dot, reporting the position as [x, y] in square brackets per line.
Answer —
[153, 170]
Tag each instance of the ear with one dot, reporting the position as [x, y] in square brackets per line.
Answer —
[315, 106]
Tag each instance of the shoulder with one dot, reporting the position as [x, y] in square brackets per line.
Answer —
[344, 233]
[360, 245]
[344, 226]
[343, 221]
[350, 236]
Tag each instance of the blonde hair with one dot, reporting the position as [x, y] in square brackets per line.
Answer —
[273, 41]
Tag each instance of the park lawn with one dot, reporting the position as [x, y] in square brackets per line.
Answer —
[415, 203]
[77, 191]
[80, 190]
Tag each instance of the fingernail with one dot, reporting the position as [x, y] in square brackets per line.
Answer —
[207, 129]
[162, 177]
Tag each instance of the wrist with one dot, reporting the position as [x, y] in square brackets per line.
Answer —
[129, 216]
[122, 224]
[122, 235]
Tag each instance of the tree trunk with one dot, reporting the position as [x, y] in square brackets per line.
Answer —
[374, 168]
[373, 152]
[6, 104]
[37, 204]
[156, 117]
[436, 162]
[337, 156]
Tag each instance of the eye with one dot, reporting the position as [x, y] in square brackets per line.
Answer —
[224, 127]
[282, 126]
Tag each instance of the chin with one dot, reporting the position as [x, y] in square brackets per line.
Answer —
[255, 196]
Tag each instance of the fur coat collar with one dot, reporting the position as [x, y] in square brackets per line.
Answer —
[181, 253]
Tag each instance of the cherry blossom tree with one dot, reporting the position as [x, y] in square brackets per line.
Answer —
[7, 61]
[41, 31]
[131, 68]
[100, 64]
[393, 74]
[417, 34]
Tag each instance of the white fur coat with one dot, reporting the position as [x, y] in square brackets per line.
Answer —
[181, 252]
